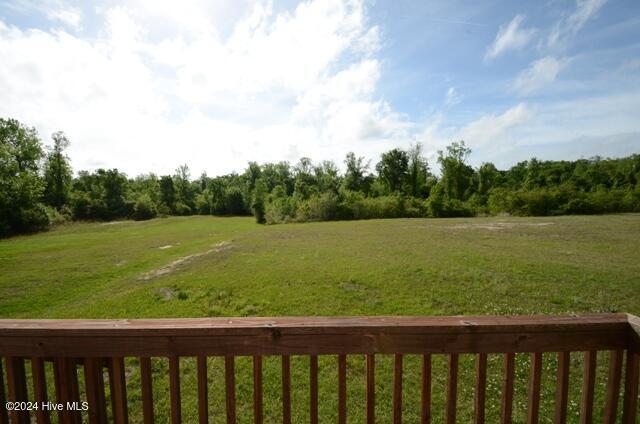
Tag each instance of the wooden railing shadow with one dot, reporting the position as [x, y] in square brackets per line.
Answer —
[102, 345]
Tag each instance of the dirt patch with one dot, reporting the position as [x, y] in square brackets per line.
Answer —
[497, 226]
[117, 222]
[166, 246]
[172, 266]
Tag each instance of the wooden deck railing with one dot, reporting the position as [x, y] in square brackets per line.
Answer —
[102, 345]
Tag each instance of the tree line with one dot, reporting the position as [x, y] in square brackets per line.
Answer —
[38, 188]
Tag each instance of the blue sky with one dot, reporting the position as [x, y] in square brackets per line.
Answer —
[146, 85]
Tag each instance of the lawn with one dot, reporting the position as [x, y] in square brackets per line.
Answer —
[206, 266]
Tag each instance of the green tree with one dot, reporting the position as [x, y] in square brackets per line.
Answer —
[418, 172]
[456, 174]
[354, 176]
[57, 172]
[258, 204]
[21, 187]
[393, 169]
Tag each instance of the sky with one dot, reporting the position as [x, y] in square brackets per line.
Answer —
[147, 85]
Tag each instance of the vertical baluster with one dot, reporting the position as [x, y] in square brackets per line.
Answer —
[174, 389]
[425, 399]
[630, 407]
[146, 387]
[481, 387]
[257, 389]
[313, 389]
[397, 390]
[118, 391]
[67, 391]
[534, 388]
[452, 389]
[342, 389]
[371, 389]
[203, 391]
[507, 388]
[613, 386]
[94, 387]
[562, 388]
[39, 389]
[4, 416]
[286, 389]
[230, 383]
[17, 384]
[588, 385]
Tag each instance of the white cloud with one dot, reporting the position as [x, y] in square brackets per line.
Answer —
[299, 82]
[539, 74]
[491, 128]
[452, 97]
[510, 37]
[569, 26]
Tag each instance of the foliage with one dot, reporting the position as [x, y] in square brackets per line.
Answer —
[401, 185]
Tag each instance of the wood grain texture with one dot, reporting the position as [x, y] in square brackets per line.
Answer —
[119, 391]
[562, 388]
[612, 395]
[313, 389]
[257, 389]
[397, 389]
[631, 376]
[481, 388]
[230, 388]
[508, 371]
[40, 389]
[342, 389]
[425, 392]
[371, 389]
[282, 336]
[94, 388]
[4, 416]
[203, 390]
[286, 390]
[533, 403]
[588, 387]
[146, 388]
[452, 389]
[17, 388]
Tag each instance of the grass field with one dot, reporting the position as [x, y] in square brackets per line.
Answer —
[205, 266]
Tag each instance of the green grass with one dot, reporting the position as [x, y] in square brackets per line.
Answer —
[553, 265]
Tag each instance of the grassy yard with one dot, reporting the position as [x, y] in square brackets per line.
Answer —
[205, 266]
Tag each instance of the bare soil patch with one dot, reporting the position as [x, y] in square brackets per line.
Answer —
[172, 266]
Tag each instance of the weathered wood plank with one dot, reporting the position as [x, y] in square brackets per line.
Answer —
[588, 386]
[4, 416]
[17, 385]
[94, 387]
[425, 393]
[146, 387]
[119, 391]
[259, 336]
[397, 389]
[257, 389]
[630, 407]
[533, 407]
[481, 388]
[230, 385]
[174, 389]
[452, 389]
[40, 389]
[342, 389]
[371, 389]
[506, 411]
[613, 386]
[562, 388]
[203, 391]
[313, 389]
[286, 390]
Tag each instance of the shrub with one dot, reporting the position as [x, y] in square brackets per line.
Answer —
[144, 208]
